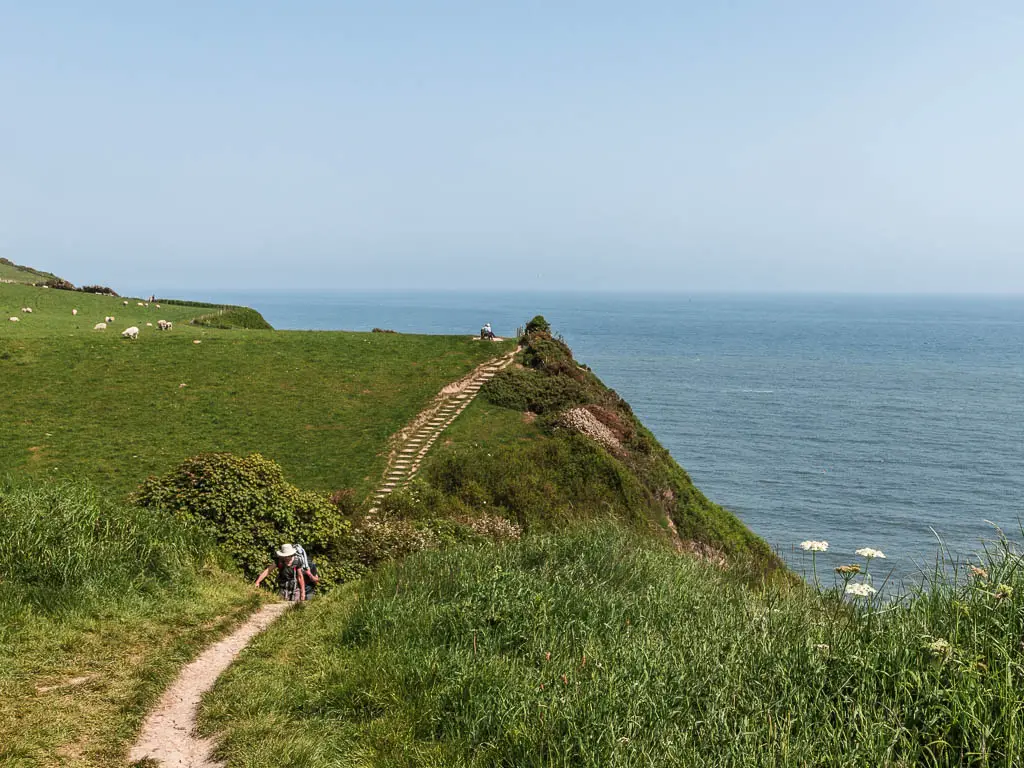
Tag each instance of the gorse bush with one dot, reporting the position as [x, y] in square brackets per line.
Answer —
[595, 648]
[64, 546]
[99, 289]
[59, 283]
[246, 505]
[529, 390]
[538, 325]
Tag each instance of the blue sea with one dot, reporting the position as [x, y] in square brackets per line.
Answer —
[890, 422]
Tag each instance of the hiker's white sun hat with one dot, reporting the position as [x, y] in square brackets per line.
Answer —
[286, 550]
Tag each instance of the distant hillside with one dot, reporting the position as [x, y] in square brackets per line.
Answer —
[15, 273]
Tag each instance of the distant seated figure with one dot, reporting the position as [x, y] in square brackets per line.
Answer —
[486, 332]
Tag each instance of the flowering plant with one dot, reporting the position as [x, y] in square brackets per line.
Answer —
[860, 590]
[814, 546]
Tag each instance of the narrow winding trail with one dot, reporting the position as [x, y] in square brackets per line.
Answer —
[168, 734]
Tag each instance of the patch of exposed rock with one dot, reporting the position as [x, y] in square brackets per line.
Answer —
[583, 421]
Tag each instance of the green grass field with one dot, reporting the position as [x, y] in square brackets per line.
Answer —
[100, 604]
[595, 648]
[89, 404]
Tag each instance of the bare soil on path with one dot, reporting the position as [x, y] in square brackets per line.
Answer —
[168, 734]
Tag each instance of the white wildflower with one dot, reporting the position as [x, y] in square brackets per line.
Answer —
[814, 546]
[860, 590]
[869, 553]
[940, 647]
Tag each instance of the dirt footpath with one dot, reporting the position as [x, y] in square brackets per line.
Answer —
[168, 734]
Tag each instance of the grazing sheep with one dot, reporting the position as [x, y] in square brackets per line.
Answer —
[164, 325]
[108, 319]
[74, 311]
[27, 310]
[141, 304]
[15, 319]
[149, 325]
[100, 327]
[125, 303]
[130, 333]
[157, 306]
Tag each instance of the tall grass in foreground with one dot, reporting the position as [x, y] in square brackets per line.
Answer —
[595, 649]
[100, 605]
[64, 546]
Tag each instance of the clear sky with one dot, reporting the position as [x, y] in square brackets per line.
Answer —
[730, 146]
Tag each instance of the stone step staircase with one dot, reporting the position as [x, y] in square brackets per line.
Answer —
[411, 444]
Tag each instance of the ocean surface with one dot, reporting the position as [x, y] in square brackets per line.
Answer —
[894, 422]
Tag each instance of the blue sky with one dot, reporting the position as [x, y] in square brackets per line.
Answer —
[734, 146]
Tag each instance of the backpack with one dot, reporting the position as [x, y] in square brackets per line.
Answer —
[303, 557]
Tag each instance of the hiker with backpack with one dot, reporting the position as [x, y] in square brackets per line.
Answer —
[309, 570]
[291, 581]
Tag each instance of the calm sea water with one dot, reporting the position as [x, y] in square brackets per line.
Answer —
[882, 422]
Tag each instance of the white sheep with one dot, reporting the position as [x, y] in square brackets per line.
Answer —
[100, 327]
[74, 311]
[141, 304]
[108, 319]
[149, 325]
[164, 325]
[130, 333]
[15, 319]
[27, 310]
[125, 303]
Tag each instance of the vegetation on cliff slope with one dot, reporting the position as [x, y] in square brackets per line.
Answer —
[551, 444]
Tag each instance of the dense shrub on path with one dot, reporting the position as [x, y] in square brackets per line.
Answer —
[247, 506]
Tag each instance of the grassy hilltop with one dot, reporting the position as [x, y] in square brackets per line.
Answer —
[9, 271]
[89, 404]
[552, 589]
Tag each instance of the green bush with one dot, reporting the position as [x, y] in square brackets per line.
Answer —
[538, 324]
[65, 545]
[99, 289]
[524, 389]
[234, 317]
[247, 506]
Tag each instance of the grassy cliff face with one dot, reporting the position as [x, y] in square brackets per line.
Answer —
[550, 444]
